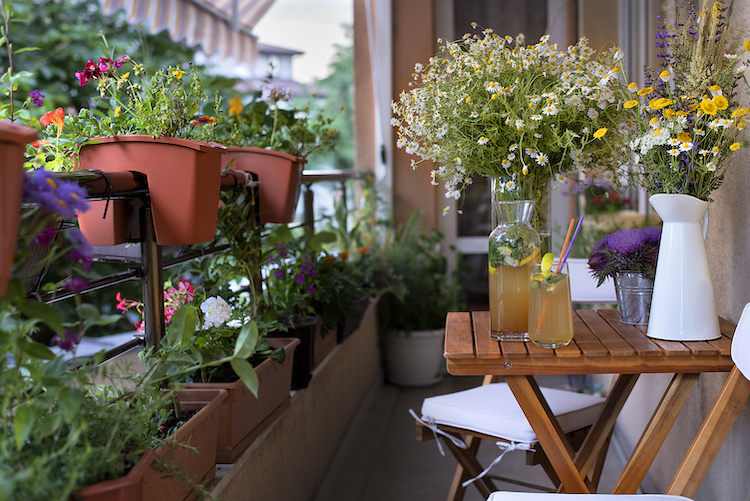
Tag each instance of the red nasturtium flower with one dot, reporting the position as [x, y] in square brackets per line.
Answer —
[56, 118]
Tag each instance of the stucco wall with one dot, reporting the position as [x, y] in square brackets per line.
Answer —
[728, 249]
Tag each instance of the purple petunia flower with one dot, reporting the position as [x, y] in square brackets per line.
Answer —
[68, 341]
[75, 284]
[44, 237]
[36, 97]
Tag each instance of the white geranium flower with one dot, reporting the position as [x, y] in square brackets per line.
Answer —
[216, 312]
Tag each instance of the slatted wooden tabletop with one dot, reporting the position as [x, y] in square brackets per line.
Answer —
[601, 345]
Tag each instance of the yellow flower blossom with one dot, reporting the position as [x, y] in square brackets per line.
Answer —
[746, 45]
[235, 106]
[178, 74]
[665, 76]
[632, 86]
[659, 103]
[684, 137]
[630, 104]
[735, 146]
[647, 90]
[708, 106]
[721, 102]
[669, 113]
[600, 133]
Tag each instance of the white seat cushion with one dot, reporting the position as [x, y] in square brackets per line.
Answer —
[492, 409]
[536, 496]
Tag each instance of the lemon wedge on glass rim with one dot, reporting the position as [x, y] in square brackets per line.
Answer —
[547, 263]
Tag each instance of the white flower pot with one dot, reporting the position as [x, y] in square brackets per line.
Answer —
[415, 358]
[682, 305]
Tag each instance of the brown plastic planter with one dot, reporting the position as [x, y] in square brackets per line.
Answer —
[183, 179]
[144, 482]
[279, 176]
[201, 433]
[13, 140]
[243, 417]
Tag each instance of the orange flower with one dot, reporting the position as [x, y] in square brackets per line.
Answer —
[363, 250]
[56, 118]
[344, 255]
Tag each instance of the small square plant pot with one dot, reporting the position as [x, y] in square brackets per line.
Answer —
[243, 417]
[279, 177]
[183, 179]
[304, 356]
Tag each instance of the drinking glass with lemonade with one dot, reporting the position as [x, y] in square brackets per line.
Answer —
[550, 309]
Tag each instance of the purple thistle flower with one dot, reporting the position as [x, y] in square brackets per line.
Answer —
[626, 241]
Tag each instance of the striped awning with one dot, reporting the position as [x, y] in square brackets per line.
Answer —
[222, 27]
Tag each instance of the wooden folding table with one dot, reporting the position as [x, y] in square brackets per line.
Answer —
[601, 345]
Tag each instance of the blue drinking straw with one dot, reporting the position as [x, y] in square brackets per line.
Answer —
[570, 245]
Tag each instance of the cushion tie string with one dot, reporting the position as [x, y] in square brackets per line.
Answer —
[436, 431]
[504, 447]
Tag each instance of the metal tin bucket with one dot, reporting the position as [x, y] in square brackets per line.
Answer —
[633, 297]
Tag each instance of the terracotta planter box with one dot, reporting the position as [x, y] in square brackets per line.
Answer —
[304, 356]
[146, 483]
[243, 417]
[279, 176]
[13, 140]
[183, 178]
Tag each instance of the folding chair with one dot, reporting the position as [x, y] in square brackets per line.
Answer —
[490, 412]
[706, 444]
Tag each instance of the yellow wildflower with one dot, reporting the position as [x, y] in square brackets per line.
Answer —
[735, 146]
[643, 92]
[178, 73]
[746, 45]
[721, 102]
[630, 104]
[708, 106]
[600, 133]
[684, 137]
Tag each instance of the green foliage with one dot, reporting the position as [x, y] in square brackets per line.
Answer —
[267, 119]
[421, 289]
[66, 34]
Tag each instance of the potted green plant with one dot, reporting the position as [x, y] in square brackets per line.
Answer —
[213, 344]
[628, 257]
[55, 422]
[267, 135]
[411, 313]
[146, 124]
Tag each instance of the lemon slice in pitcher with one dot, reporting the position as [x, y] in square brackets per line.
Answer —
[530, 257]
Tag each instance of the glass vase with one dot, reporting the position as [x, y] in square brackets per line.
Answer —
[514, 245]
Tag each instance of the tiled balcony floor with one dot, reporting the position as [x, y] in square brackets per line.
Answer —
[380, 459]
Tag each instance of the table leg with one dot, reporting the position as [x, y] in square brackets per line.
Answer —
[655, 433]
[551, 437]
[597, 437]
[711, 436]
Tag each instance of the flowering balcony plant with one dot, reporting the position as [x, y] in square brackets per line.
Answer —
[684, 125]
[497, 107]
[147, 125]
[269, 136]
